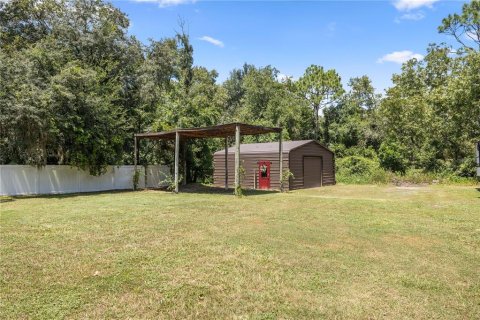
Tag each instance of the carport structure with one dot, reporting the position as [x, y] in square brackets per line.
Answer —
[220, 131]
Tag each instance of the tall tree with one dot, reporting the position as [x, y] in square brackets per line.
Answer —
[352, 122]
[235, 92]
[321, 88]
[80, 70]
[464, 27]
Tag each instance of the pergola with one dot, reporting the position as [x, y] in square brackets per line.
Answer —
[220, 131]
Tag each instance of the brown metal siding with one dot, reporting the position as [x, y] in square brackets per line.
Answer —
[249, 163]
[316, 150]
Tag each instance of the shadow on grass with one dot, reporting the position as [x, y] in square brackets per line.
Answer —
[191, 188]
[197, 188]
[62, 196]
[6, 199]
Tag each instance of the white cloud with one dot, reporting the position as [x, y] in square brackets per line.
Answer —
[414, 16]
[400, 57]
[407, 5]
[213, 41]
[167, 3]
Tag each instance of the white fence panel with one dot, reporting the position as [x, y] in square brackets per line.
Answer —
[54, 179]
[89, 183]
[57, 179]
[124, 177]
[18, 180]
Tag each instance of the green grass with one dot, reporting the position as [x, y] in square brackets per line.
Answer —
[351, 252]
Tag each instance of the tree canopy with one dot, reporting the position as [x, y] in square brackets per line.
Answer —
[75, 86]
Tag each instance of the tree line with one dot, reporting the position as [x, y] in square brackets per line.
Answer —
[75, 86]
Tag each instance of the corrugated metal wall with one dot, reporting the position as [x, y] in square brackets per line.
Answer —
[293, 161]
[249, 163]
[311, 149]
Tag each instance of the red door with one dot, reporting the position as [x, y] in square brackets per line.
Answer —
[264, 174]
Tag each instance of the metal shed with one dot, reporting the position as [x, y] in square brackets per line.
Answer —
[181, 135]
[312, 165]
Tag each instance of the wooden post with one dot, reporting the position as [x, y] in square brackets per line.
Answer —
[177, 153]
[135, 152]
[184, 180]
[226, 163]
[135, 155]
[280, 158]
[237, 160]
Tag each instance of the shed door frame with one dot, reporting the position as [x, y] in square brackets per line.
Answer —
[321, 167]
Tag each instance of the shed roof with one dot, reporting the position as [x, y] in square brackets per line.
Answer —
[268, 147]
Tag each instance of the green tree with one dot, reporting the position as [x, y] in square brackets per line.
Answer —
[465, 26]
[352, 121]
[321, 88]
[234, 91]
[75, 52]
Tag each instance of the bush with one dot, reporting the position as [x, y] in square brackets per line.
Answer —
[356, 165]
[367, 152]
[136, 179]
[467, 168]
[391, 157]
[360, 170]
[418, 176]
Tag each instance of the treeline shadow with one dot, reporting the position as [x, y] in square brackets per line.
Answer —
[191, 188]
[197, 188]
[60, 195]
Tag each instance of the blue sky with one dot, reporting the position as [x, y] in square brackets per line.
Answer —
[353, 37]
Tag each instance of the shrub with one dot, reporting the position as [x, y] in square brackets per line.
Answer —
[169, 182]
[367, 152]
[467, 168]
[355, 165]
[338, 149]
[286, 175]
[136, 179]
[391, 157]
[360, 170]
[447, 176]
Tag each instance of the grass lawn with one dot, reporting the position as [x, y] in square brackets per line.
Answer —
[348, 252]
